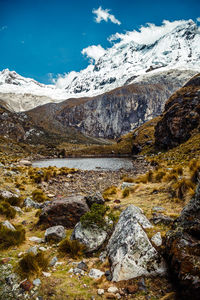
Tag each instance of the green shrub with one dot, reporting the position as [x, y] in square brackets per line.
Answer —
[72, 247]
[32, 264]
[7, 210]
[96, 216]
[11, 238]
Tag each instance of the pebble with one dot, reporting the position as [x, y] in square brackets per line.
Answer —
[37, 282]
[46, 274]
[113, 289]
[95, 273]
[53, 261]
[100, 292]
[36, 239]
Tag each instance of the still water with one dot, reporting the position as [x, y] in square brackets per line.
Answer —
[97, 164]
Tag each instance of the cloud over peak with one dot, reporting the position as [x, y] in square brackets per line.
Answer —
[104, 15]
[147, 34]
[93, 52]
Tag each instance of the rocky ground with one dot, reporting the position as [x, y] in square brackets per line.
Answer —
[85, 182]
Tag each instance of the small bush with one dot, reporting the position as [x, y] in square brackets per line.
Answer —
[96, 216]
[66, 171]
[125, 192]
[170, 177]
[32, 264]
[149, 176]
[15, 201]
[128, 179]
[158, 176]
[39, 196]
[193, 164]
[195, 174]
[72, 247]
[182, 187]
[112, 190]
[7, 210]
[11, 238]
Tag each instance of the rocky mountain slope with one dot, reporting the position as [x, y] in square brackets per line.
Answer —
[19, 127]
[113, 113]
[124, 63]
[181, 116]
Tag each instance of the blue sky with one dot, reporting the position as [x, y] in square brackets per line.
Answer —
[38, 37]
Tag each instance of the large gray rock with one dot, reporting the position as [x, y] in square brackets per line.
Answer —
[129, 250]
[55, 233]
[137, 212]
[92, 237]
[66, 212]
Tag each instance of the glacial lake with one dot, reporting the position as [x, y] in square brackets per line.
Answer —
[96, 164]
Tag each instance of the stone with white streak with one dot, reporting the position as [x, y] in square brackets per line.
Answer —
[129, 250]
[157, 239]
[8, 225]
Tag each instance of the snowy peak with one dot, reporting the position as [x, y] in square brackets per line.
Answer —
[11, 77]
[133, 55]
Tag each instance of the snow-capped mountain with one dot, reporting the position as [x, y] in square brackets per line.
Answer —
[127, 61]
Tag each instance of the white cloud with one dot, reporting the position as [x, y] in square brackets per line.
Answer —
[198, 19]
[104, 15]
[147, 34]
[94, 52]
[3, 28]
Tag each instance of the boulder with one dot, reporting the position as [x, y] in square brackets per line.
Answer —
[129, 250]
[161, 219]
[55, 233]
[92, 237]
[28, 202]
[137, 212]
[94, 198]
[183, 249]
[65, 212]
[8, 194]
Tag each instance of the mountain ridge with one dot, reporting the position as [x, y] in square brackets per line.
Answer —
[121, 64]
